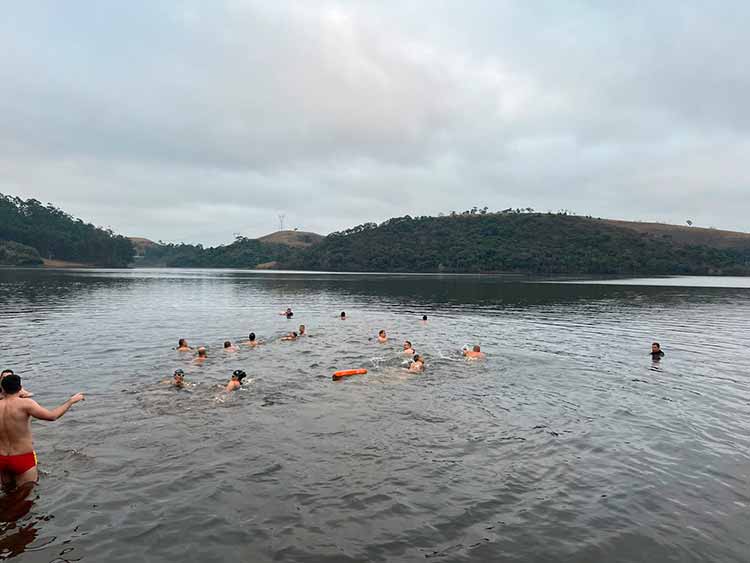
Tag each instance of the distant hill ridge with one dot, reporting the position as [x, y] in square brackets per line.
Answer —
[519, 241]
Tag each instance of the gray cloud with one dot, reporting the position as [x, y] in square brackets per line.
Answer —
[193, 121]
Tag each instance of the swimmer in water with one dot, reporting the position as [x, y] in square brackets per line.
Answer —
[424, 318]
[17, 457]
[23, 394]
[417, 365]
[475, 353]
[251, 340]
[302, 330]
[182, 346]
[236, 381]
[178, 379]
[290, 336]
[342, 316]
[382, 336]
[202, 355]
[408, 349]
[228, 347]
[656, 352]
[288, 313]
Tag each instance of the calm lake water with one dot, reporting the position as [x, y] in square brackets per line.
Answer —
[567, 444]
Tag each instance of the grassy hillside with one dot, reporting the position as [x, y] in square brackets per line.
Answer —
[294, 239]
[514, 242]
[715, 238]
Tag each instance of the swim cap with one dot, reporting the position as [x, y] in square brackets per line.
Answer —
[239, 374]
[179, 372]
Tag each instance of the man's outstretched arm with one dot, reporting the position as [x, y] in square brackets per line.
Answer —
[37, 411]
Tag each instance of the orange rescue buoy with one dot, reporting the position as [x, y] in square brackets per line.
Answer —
[347, 372]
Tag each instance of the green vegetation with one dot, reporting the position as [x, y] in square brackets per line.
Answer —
[15, 254]
[243, 253]
[57, 235]
[513, 241]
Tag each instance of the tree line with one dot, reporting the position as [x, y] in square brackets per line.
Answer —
[58, 236]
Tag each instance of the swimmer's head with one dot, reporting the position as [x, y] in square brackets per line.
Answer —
[227, 344]
[294, 334]
[302, 329]
[407, 344]
[477, 348]
[179, 375]
[424, 317]
[251, 337]
[202, 351]
[381, 333]
[6, 372]
[238, 374]
[655, 347]
[343, 314]
[182, 343]
[418, 358]
[11, 384]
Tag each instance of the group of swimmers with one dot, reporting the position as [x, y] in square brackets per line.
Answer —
[416, 363]
[18, 462]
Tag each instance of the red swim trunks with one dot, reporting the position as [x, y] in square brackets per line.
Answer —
[18, 464]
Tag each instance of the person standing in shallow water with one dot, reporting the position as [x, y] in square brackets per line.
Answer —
[382, 337]
[18, 463]
[656, 352]
[182, 346]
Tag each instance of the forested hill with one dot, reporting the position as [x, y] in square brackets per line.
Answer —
[513, 242]
[58, 236]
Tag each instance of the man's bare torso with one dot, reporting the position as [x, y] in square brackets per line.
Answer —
[15, 430]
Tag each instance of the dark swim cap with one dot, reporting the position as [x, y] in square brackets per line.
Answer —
[179, 372]
[239, 374]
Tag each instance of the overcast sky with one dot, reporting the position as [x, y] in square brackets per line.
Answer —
[192, 121]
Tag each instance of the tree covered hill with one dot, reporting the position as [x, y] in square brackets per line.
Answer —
[243, 253]
[529, 242]
[56, 235]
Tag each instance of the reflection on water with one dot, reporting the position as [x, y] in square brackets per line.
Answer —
[566, 444]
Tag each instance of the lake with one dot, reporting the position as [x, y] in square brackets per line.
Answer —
[566, 444]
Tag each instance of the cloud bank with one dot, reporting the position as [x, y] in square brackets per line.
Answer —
[192, 121]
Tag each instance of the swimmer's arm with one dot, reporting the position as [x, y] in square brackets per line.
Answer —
[25, 394]
[37, 411]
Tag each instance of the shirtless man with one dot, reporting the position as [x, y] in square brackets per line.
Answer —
[202, 355]
[342, 316]
[302, 330]
[182, 346]
[228, 347]
[251, 340]
[236, 381]
[288, 313]
[474, 353]
[17, 457]
[408, 348]
[291, 336]
[23, 394]
[382, 336]
[178, 379]
[417, 365]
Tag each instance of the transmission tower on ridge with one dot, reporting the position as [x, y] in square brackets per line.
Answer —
[282, 217]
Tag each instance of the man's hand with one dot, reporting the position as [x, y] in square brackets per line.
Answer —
[77, 397]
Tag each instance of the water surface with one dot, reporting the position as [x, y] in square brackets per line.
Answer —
[567, 444]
